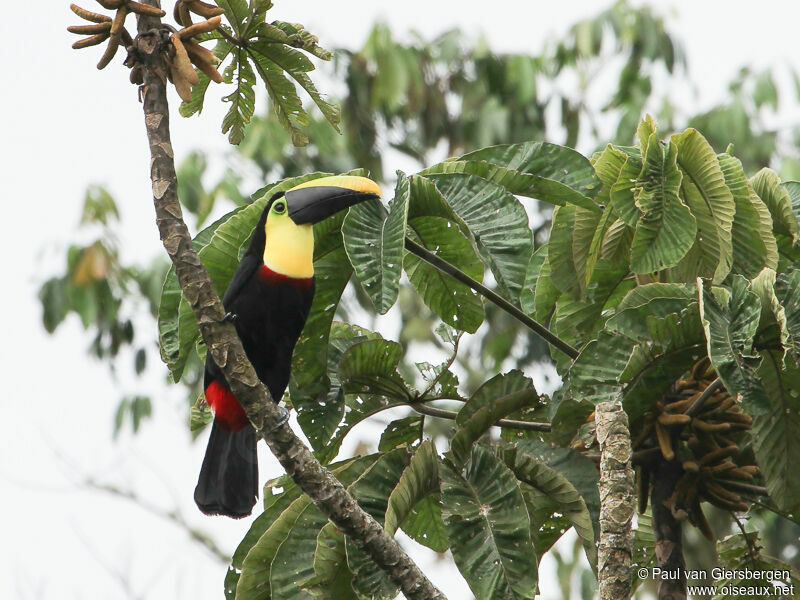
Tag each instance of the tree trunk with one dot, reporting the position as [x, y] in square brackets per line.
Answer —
[615, 551]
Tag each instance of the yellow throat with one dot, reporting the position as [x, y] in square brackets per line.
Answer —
[289, 248]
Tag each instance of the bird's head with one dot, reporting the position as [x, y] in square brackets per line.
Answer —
[288, 219]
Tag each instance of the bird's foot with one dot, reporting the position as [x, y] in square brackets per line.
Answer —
[230, 317]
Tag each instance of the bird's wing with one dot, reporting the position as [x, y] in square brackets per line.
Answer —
[247, 268]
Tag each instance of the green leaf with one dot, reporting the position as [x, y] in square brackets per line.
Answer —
[489, 528]
[370, 383]
[528, 468]
[787, 292]
[498, 223]
[666, 229]
[297, 65]
[754, 244]
[730, 331]
[236, 12]
[372, 492]
[711, 203]
[370, 367]
[527, 298]
[419, 480]
[455, 303]
[547, 172]
[560, 255]
[741, 558]
[272, 527]
[282, 92]
[621, 193]
[498, 387]
[424, 524]
[766, 184]
[775, 439]
[496, 399]
[332, 577]
[374, 243]
[242, 99]
[401, 433]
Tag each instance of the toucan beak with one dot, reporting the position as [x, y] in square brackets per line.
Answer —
[319, 199]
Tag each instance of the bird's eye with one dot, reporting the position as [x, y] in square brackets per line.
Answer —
[280, 207]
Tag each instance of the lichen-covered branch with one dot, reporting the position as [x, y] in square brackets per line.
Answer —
[615, 552]
[225, 347]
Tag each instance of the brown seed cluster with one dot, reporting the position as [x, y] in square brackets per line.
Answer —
[704, 438]
[185, 52]
[181, 52]
[184, 8]
[106, 28]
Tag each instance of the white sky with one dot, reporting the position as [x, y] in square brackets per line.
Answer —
[65, 125]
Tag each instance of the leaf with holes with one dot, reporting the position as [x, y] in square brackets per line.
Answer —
[489, 529]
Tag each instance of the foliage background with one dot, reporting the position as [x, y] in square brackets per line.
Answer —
[67, 126]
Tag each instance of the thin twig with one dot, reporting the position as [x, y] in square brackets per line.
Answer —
[432, 411]
[170, 515]
[449, 364]
[515, 312]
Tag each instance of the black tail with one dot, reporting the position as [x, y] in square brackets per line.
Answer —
[228, 482]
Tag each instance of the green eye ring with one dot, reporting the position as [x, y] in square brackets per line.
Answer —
[279, 207]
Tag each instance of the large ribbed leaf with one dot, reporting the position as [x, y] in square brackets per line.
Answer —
[621, 194]
[666, 229]
[753, 242]
[563, 272]
[787, 291]
[776, 442]
[332, 578]
[489, 528]
[554, 174]
[275, 503]
[767, 185]
[372, 492]
[497, 398]
[452, 301]
[367, 372]
[374, 243]
[288, 535]
[527, 296]
[546, 161]
[425, 526]
[527, 464]
[320, 420]
[730, 331]
[709, 199]
[498, 223]
[419, 480]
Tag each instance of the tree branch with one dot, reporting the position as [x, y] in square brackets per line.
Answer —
[515, 312]
[449, 414]
[325, 491]
[615, 551]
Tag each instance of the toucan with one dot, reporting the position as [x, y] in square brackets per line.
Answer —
[268, 300]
